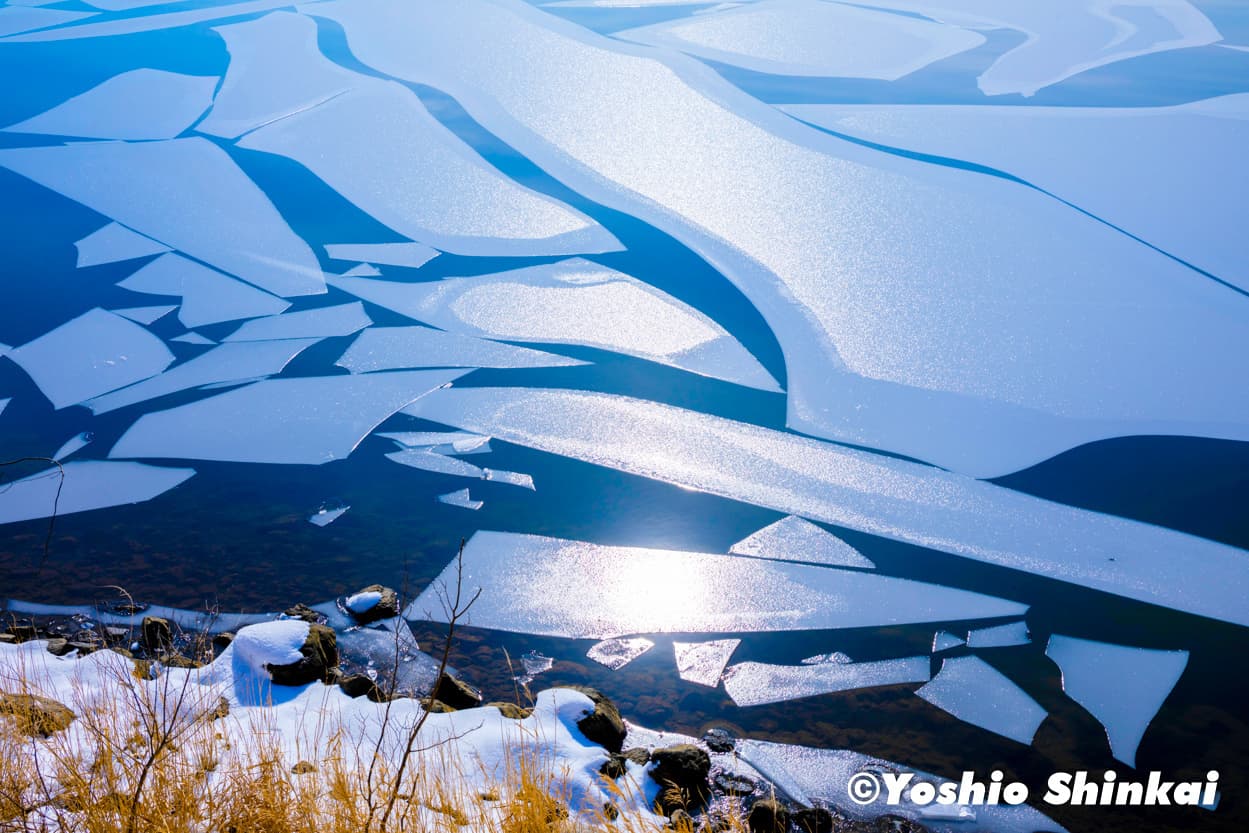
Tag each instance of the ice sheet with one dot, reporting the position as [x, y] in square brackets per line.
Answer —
[617, 653]
[322, 322]
[15, 19]
[208, 296]
[756, 683]
[944, 641]
[387, 348]
[140, 104]
[192, 338]
[856, 489]
[94, 353]
[554, 587]
[1117, 163]
[703, 662]
[186, 193]
[225, 363]
[1123, 687]
[88, 484]
[881, 276]
[460, 498]
[811, 37]
[325, 517]
[408, 255]
[75, 443]
[112, 243]
[309, 420]
[794, 539]
[144, 315]
[999, 636]
[977, 693]
[572, 302]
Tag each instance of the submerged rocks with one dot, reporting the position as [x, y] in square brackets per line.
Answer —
[604, 725]
[372, 604]
[35, 715]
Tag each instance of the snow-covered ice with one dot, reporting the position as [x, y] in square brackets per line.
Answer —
[619, 652]
[794, 539]
[756, 683]
[208, 296]
[999, 636]
[407, 255]
[113, 242]
[703, 662]
[387, 348]
[88, 484]
[321, 322]
[977, 693]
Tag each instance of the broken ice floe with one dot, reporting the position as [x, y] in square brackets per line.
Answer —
[881, 322]
[511, 478]
[75, 443]
[795, 539]
[756, 683]
[703, 662]
[186, 193]
[427, 459]
[820, 659]
[1191, 152]
[460, 498]
[554, 587]
[144, 315]
[977, 693]
[15, 19]
[856, 489]
[387, 348]
[533, 664]
[234, 362]
[112, 243]
[1123, 687]
[326, 516]
[94, 353]
[88, 484]
[812, 38]
[140, 104]
[450, 440]
[999, 636]
[322, 322]
[617, 653]
[208, 296]
[573, 302]
[408, 255]
[309, 420]
[944, 641]
[128, 25]
[192, 338]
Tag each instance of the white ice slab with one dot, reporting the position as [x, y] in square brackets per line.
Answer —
[112, 243]
[703, 662]
[309, 420]
[322, 322]
[1173, 176]
[756, 683]
[944, 641]
[388, 348]
[94, 353]
[144, 315]
[554, 587]
[426, 460]
[225, 363]
[14, 19]
[88, 484]
[977, 693]
[999, 636]
[617, 653]
[795, 539]
[859, 490]
[140, 104]
[812, 38]
[208, 296]
[186, 193]
[573, 302]
[73, 444]
[408, 255]
[325, 517]
[192, 338]
[511, 478]
[1123, 687]
[461, 498]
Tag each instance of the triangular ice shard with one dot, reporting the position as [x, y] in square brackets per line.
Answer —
[795, 539]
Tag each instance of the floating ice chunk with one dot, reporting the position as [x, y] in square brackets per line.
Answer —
[112, 243]
[192, 338]
[794, 539]
[944, 641]
[88, 484]
[426, 460]
[703, 662]
[387, 348]
[409, 255]
[999, 636]
[820, 659]
[977, 693]
[14, 19]
[554, 587]
[533, 664]
[148, 22]
[325, 517]
[1115, 164]
[73, 444]
[144, 315]
[573, 302]
[881, 322]
[809, 37]
[208, 296]
[461, 499]
[512, 478]
[140, 104]
[617, 653]
[310, 420]
[186, 193]
[859, 490]
[225, 363]
[756, 683]
[427, 439]
[256, 647]
[1123, 687]
[95, 353]
[322, 322]
[363, 270]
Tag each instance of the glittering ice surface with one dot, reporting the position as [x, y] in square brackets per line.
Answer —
[554, 587]
[999, 636]
[756, 683]
[1123, 687]
[426, 460]
[111, 243]
[387, 348]
[811, 37]
[944, 641]
[208, 296]
[703, 662]
[617, 653]
[794, 539]
[977, 693]
[341, 320]
[88, 484]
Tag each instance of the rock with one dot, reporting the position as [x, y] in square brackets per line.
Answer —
[58, 647]
[437, 706]
[23, 632]
[118, 634]
[719, 740]
[897, 824]
[302, 611]
[386, 607]
[83, 648]
[684, 767]
[604, 725]
[731, 783]
[303, 768]
[616, 765]
[222, 709]
[173, 659]
[670, 800]
[814, 820]
[511, 710]
[681, 821]
[456, 693]
[767, 815]
[359, 685]
[222, 640]
[319, 660]
[7, 639]
[36, 715]
[610, 811]
[157, 634]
